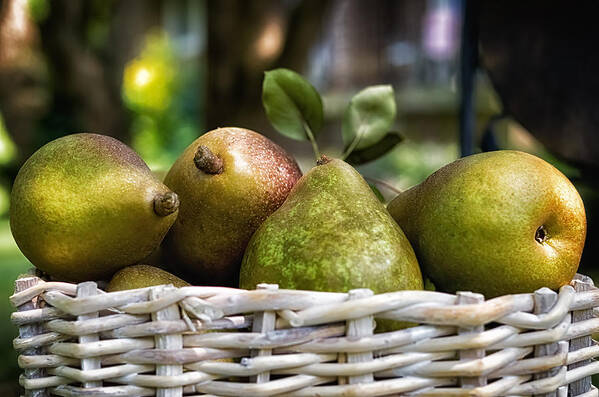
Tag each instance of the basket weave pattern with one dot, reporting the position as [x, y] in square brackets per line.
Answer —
[76, 340]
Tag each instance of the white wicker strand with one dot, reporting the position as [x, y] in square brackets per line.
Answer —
[120, 391]
[523, 319]
[383, 367]
[586, 353]
[390, 301]
[462, 316]
[380, 343]
[43, 383]
[174, 341]
[357, 328]
[479, 340]
[37, 341]
[545, 299]
[37, 316]
[85, 326]
[264, 322]
[537, 364]
[22, 286]
[541, 386]
[559, 332]
[592, 393]
[100, 374]
[380, 388]
[261, 300]
[89, 364]
[256, 365]
[151, 328]
[581, 283]
[477, 367]
[465, 298]
[45, 361]
[271, 388]
[103, 347]
[267, 340]
[27, 295]
[180, 356]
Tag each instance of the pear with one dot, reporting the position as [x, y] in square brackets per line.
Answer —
[331, 234]
[229, 180]
[140, 276]
[496, 223]
[85, 205]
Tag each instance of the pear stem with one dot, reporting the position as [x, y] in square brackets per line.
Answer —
[312, 141]
[207, 162]
[387, 185]
[166, 203]
[323, 160]
[353, 144]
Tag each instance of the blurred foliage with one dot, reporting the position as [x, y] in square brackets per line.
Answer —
[39, 9]
[13, 264]
[4, 198]
[411, 162]
[8, 150]
[159, 89]
[149, 82]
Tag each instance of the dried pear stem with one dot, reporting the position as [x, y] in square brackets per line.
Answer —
[207, 161]
[323, 160]
[166, 203]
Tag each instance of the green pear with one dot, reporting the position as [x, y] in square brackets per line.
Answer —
[331, 234]
[229, 180]
[496, 223]
[141, 276]
[85, 205]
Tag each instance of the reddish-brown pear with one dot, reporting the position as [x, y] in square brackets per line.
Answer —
[228, 181]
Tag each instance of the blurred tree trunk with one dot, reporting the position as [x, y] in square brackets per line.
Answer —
[81, 84]
[64, 74]
[23, 92]
[244, 39]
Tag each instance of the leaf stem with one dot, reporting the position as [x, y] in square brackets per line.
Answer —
[383, 183]
[312, 141]
[353, 144]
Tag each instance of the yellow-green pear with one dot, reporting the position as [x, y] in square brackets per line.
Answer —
[86, 205]
[497, 223]
[331, 234]
[141, 276]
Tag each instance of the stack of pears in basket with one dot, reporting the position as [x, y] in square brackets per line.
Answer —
[235, 210]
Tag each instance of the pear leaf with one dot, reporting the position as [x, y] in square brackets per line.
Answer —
[291, 102]
[429, 285]
[379, 149]
[368, 117]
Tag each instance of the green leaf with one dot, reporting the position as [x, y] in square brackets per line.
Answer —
[290, 101]
[370, 114]
[429, 285]
[377, 193]
[375, 151]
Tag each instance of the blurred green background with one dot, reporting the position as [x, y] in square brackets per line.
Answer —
[156, 74]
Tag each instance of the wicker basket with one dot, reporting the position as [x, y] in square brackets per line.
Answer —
[76, 340]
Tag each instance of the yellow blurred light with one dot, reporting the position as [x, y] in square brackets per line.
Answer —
[142, 77]
[149, 79]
